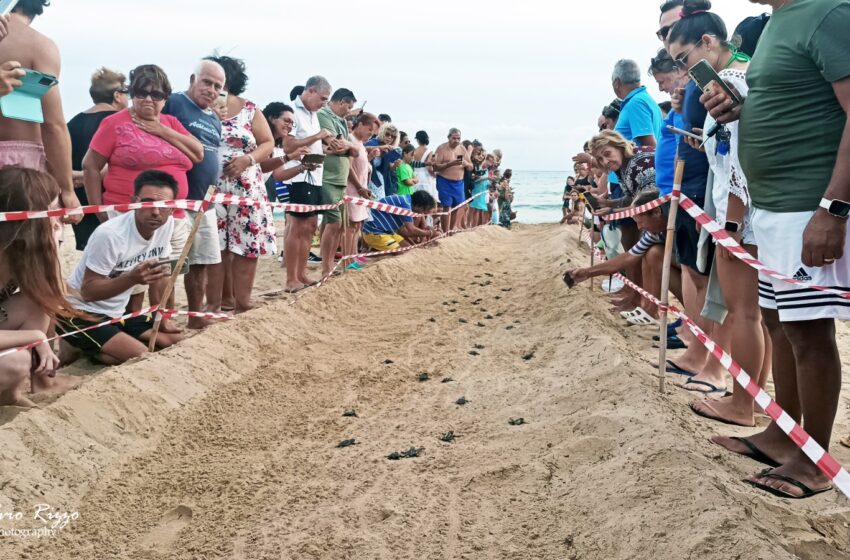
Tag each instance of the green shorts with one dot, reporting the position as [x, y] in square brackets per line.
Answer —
[332, 194]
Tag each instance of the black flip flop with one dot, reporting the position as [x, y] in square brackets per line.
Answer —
[713, 388]
[755, 453]
[807, 492]
[717, 419]
[673, 368]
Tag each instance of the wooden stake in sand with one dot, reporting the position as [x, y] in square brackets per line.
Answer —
[665, 274]
[344, 212]
[169, 288]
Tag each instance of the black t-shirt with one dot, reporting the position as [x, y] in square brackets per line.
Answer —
[82, 128]
[582, 184]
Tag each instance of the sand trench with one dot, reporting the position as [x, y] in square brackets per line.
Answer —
[224, 447]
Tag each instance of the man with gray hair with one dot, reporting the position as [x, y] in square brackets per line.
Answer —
[640, 118]
[193, 108]
[451, 159]
[306, 188]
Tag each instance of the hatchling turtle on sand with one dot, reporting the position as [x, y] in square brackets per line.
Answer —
[446, 380]
[517, 421]
[424, 377]
[409, 454]
[448, 437]
[350, 413]
[461, 401]
[346, 443]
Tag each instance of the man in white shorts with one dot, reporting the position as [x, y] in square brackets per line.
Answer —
[792, 124]
[193, 109]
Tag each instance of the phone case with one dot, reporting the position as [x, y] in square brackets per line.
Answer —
[24, 103]
[703, 75]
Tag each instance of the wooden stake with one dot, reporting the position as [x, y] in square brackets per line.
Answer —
[665, 276]
[169, 288]
[344, 234]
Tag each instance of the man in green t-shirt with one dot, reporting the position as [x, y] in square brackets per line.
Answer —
[336, 167]
[795, 151]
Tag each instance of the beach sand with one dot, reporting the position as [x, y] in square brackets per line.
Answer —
[225, 446]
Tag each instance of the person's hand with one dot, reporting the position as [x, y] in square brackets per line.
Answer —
[603, 211]
[373, 153]
[395, 165]
[336, 146]
[724, 253]
[720, 106]
[823, 239]
[10, 75]
[299, 154]
[677, 99]
[152, 126]
[4, 26]
[149, 272]
[416, 180]
[236, 167]
[364, 193]
[324, 134]
[69, 199]
[48, 362]
[385, 148]
[583, 157]
[695, 144]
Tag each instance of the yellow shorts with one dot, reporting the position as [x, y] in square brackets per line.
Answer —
[382, 241]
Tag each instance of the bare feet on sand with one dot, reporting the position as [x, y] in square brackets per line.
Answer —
[196, 323]
[724, 410]
[169, 326]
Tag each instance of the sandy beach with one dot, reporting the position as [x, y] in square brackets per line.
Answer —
[225, 446]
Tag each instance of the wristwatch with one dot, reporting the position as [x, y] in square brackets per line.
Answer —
[837, 208]
[732, 227]
[251, 158]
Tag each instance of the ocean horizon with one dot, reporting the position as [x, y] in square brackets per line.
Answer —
[537, 195]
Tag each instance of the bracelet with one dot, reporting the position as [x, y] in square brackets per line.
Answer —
[283, 158]
[252, 160]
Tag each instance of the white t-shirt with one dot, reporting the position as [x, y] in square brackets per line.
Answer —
[306, 125]
[115, 248]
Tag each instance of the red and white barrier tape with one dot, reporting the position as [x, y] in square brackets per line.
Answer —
[723, 238]
[231, 200]
[818, 455]
[194, 205]
[168, 313]
[638, 210]
[379, 206]
[65, 335]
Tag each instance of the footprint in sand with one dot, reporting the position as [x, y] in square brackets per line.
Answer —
[165, 533]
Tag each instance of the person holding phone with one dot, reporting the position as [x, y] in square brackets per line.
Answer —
[29, 144]
[122, 253]
[450, 161]
[700, 38]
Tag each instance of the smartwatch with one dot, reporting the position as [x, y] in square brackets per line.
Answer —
[837, 208]
[732, 227]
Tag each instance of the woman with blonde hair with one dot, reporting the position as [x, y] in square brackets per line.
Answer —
[385, 165]
[32, 290]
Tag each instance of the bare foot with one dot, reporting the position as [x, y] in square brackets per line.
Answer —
[228, 305]
[16, 400]
[724, 410]
[800, 470]
[196, 323]
[43, 383]
[169, 326]
[292, 288]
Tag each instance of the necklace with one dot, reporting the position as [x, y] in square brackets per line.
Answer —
[7, 292]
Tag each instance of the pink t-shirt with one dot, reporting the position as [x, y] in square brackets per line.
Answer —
[131, 151]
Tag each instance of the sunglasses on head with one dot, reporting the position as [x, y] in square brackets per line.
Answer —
[153, 94]
[123, 89]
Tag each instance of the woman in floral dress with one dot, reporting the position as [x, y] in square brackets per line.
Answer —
[245, 232]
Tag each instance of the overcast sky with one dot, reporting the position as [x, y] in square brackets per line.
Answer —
[529, 77]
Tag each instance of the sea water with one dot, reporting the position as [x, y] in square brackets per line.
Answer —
[538, 195]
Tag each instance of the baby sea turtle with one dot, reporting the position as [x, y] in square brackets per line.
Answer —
[464, 321]
[432, 320]
[448, 437]
[509, 328]
[394, 456]
[507, 289]
[516, 421]
[474, 353]
[488, 316]
[488, 274]
[388, 361]
[479, 347]
[476, 302]
[424, 377]
[346, 443]
[480, 324]
[350, 413]
[446, 380]
[461, 401]
[412, 452]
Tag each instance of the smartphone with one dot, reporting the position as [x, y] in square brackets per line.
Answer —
[591, 201]
[684, 133]
[6, 6]
[172, 263]
[460, 158]
[24, 103]
[709, 81]
[316, 159]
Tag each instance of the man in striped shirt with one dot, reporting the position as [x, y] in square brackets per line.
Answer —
[648, 252]
[387, 231]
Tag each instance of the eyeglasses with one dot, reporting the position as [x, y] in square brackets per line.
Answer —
[663, 32]
[681, 61]
[153, 94]
[290, 122]
[123, 89]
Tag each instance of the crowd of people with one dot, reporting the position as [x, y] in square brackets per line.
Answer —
[141, 141]
[765, 152]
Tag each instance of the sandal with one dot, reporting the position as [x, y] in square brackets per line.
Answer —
[641, 317]
[768, 473]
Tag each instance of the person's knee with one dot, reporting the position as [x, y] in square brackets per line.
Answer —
[810, 336]
[16, 367]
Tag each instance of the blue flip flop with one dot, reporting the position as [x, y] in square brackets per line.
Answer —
[713, 389]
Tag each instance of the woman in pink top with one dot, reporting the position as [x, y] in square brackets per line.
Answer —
[358, 180]
[137, 139]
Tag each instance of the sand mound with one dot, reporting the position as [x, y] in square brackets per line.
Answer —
[225, 447]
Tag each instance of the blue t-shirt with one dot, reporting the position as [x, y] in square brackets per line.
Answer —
[385, 223]
[696, 162]
[376, 176]
[639, 115]
[390, 177]
[665, 153]
[206, 127]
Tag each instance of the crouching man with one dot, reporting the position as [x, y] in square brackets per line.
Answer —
[647, 252]
[122, 252]
[390, 231]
